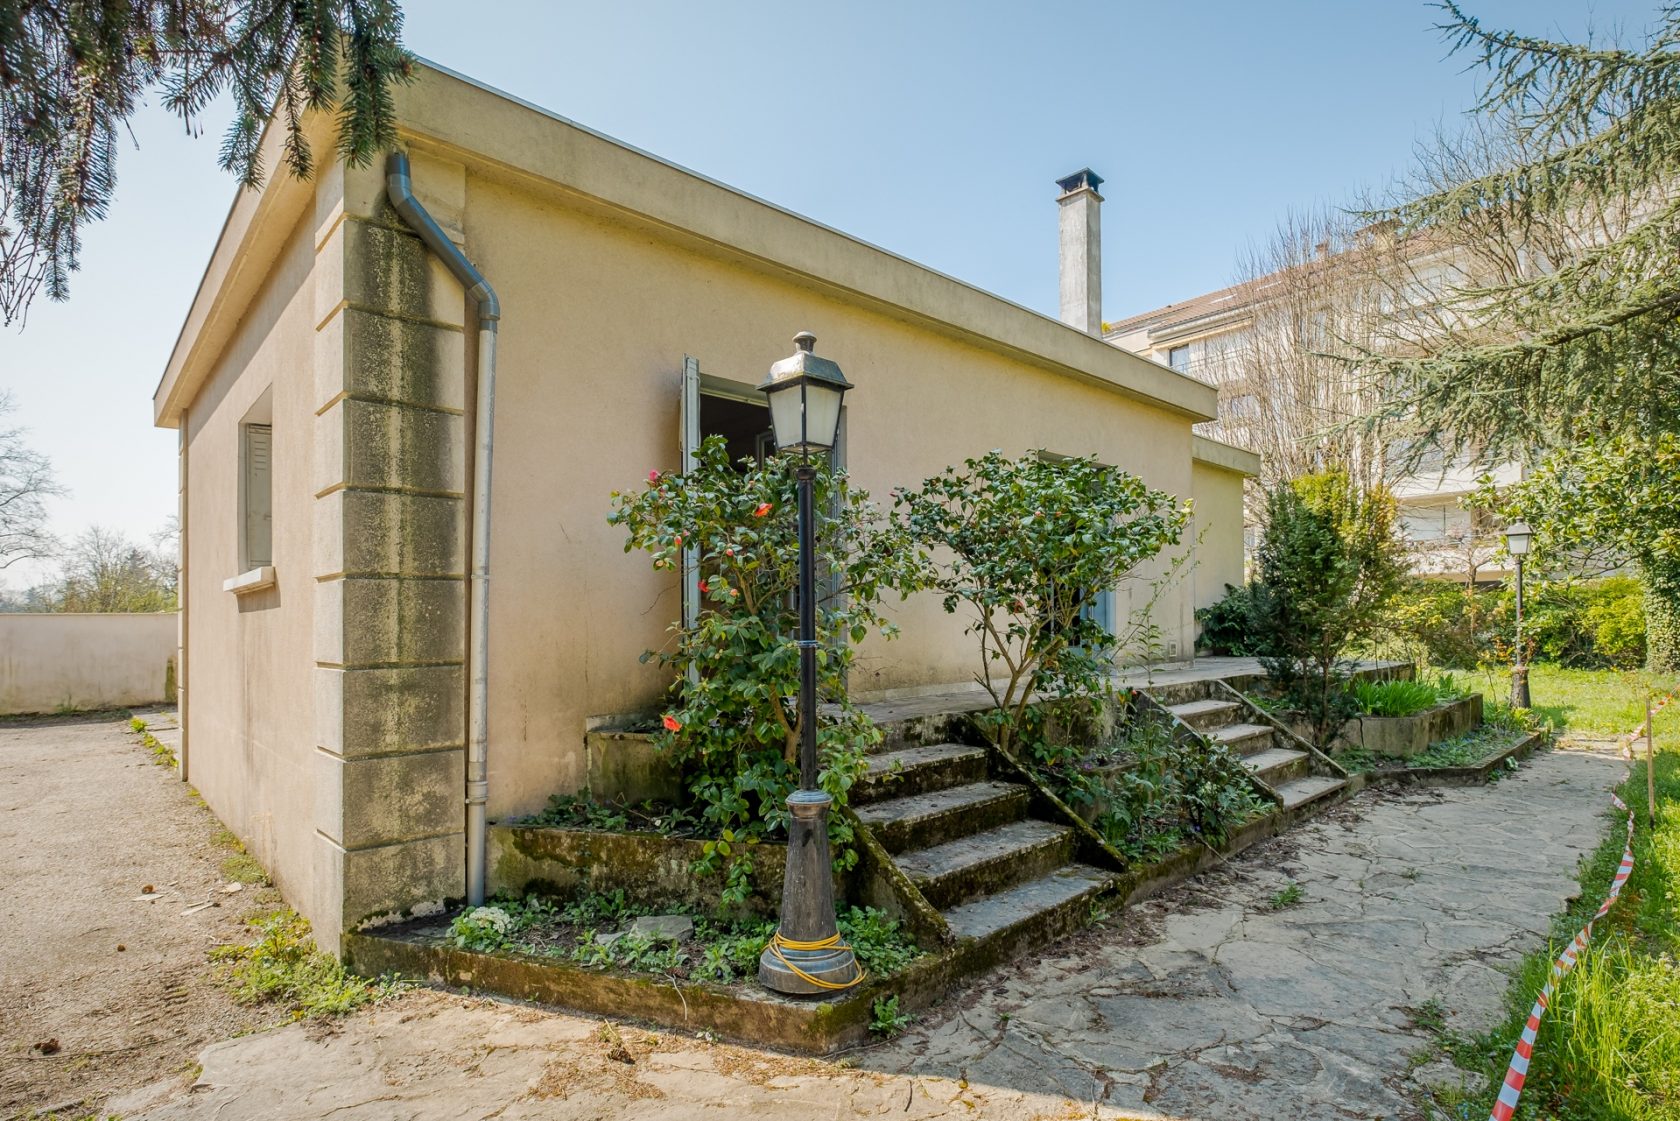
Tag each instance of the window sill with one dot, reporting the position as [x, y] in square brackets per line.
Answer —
[253, 581]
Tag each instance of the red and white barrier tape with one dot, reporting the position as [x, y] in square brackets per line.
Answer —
[1517, 1072]
[1658, 704]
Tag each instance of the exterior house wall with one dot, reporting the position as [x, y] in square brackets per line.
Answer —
[597, 318]
[74, 661]
[248, 745]
[1218, 492]
[326, 716]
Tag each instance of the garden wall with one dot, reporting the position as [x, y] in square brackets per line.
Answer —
[58, 662]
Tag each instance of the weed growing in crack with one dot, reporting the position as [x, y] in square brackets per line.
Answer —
[1285, 896]
[162, 754]
[1431, 1016]
[885, 1020]
[284, 966]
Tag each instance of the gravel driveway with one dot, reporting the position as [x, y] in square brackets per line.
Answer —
[102, 990]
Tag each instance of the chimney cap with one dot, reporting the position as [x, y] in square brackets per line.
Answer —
[1084, 177]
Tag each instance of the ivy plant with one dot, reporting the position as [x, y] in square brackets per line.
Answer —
[732, 723]
[1023, 547]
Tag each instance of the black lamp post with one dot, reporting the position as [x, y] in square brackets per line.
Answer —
[1519, 538]
[806, 955]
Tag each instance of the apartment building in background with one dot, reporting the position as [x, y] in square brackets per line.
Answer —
[1211, 337]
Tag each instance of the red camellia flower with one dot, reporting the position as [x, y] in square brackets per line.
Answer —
[703, 588]
[653, 476]
[672, 724]
[763, 509]
[729, 552]
[679, 539]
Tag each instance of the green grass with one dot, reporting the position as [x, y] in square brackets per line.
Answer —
[1600, 702]
[1609, 1047]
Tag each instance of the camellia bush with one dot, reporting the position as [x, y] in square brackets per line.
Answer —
[731, 724]
[1023, 547]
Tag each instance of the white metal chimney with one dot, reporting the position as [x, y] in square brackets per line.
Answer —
[1081, 251]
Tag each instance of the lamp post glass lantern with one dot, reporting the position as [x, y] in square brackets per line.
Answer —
[1519, 538]
[806, 956]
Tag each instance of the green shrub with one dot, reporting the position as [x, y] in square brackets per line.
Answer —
[1591, 624]
[1225, 625]
[1441, 622]
[1616, 616]
[1328, 563]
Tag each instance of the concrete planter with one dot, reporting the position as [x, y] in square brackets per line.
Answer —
[1400, 737]
[652, 870]
[626, 767]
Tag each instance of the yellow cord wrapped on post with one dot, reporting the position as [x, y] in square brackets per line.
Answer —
[832, 942]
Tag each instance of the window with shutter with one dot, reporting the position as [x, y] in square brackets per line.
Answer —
[258, 496]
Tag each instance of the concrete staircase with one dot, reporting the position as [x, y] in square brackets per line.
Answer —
[1284, 764]
[971, 844]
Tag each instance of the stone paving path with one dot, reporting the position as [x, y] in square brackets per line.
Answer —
[1205, 1003]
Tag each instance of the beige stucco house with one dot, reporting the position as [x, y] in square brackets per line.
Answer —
[324, 388]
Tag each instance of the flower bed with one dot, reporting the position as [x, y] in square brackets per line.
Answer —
[606, 932]
[1466, 759]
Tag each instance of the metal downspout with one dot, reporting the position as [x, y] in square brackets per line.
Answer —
[399, 187]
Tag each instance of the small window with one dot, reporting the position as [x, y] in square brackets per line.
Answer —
[257, 495]
[1179, 358]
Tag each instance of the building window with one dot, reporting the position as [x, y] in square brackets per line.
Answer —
[1178, 358]
[256, 453]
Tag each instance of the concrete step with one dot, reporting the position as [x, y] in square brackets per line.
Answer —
[921, 821]
[1182, 692]
[1033, 913]
[1298, 792]
[918, 770]
[1244, 739]
[983, 863]
[1278, 765]
[1207, 714]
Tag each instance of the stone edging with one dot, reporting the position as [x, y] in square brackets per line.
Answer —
[749, 1015]
[1475, 774]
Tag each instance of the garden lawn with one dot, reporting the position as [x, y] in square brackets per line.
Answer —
[1609, 1047]
[1594, 702]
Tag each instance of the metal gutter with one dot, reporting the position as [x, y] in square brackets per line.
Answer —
[399, 188]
